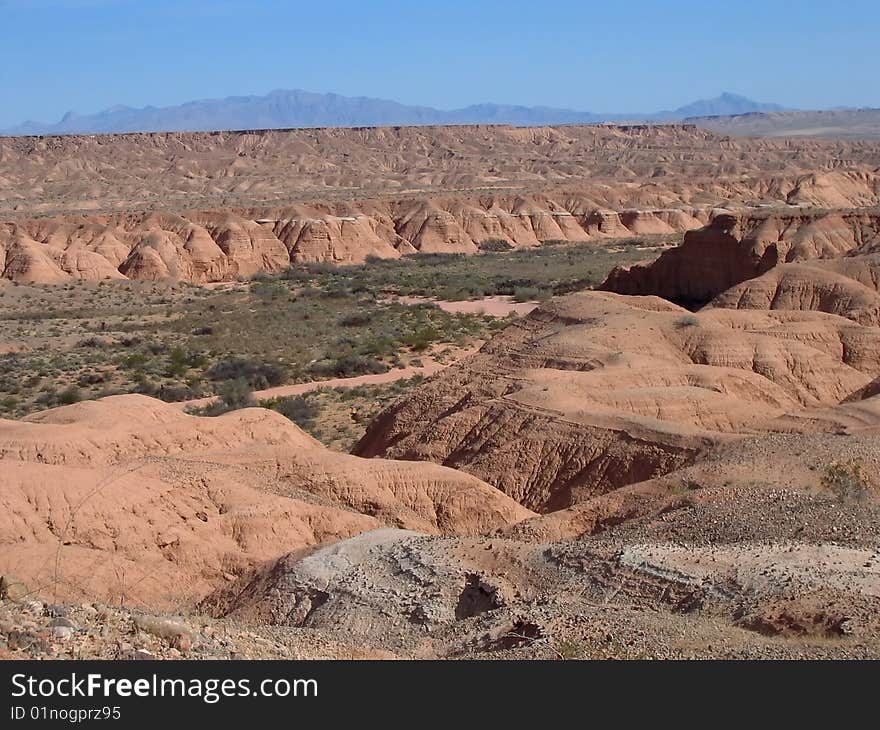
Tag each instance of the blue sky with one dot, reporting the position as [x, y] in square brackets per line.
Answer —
[631, 55]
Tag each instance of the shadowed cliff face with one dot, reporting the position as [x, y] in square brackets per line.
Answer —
[734, 248]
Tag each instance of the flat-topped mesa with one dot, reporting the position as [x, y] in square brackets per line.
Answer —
[736, 247]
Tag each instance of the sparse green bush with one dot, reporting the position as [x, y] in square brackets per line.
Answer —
[257, 375]
[337, 290]
[847, 481]
[308, 292]
[300, 409]
[236, 394]
[571, 650]
[347, 366]
[268, 290]
[421, 338]
[92, 342]
[461, 292]
[171, 392]
[529, 294]
[320, 267]
[135, 361]
[357, 319]
[294, 273]
[687, 320]
[495, 244]
[69, 395]
[178, 363]
[86, 379]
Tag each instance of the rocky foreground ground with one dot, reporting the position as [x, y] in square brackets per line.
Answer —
[420, 597]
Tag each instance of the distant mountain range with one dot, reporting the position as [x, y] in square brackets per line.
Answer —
[830, 123]
[285, 109]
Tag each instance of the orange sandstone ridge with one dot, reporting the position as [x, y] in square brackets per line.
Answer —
[598, 390]
[130, 486]
[207, 207]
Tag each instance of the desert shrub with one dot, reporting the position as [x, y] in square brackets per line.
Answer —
[421, 338]
[687, 320]
[294, 273]
[268, 290]
[257, 375]
[495, 244]
[300, 409]
[572, 285]
[529, 294]
[236, 394]
[71, 394]
[308, 292]
[87, 379]
[347, 366]
[461, 292]
[174, 392]
[847, 481]
[379, 347]
[135, 361]
[178, 363]
[571, 650]
[196, 360]
[47, 398]
[356, 319]
[321, 267]
[337, 290]
[233, 394]
[144, 385]
[92, 342]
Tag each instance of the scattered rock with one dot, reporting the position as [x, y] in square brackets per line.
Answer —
[62, 633]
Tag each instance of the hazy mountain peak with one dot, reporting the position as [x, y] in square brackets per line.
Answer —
[726, 103]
